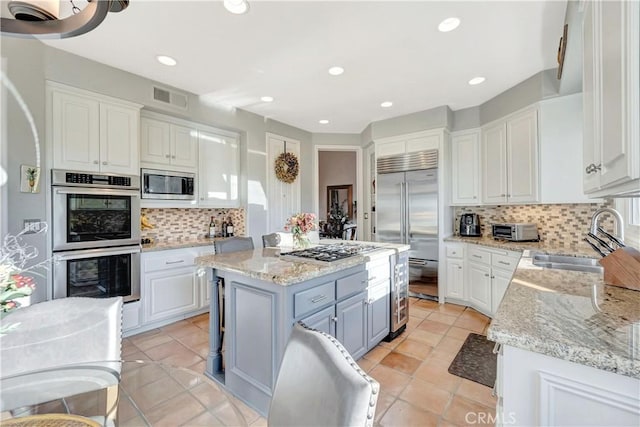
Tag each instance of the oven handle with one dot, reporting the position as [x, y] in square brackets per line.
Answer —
[92, 253]
[99, 191]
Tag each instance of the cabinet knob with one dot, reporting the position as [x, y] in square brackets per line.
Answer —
[493, 277]
[459, 267]
[167, 156]
[105, 163]
[503, 195]
[201, 198]
[334, 319]
[173, 157]
[592, 168]
[508, 195]
[95, 162]
[486, 275]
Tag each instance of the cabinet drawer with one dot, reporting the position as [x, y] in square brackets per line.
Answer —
[455, 251]
[378, 271]
[351, 284]
[307, 301]
[478, 255]
[504, 261]
[170, 260]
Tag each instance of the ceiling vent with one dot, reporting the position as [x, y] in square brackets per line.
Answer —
[170, 98]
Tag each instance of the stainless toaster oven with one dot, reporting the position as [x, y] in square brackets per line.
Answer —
[517, 232]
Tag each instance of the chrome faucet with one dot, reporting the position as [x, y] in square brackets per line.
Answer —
[619, 222]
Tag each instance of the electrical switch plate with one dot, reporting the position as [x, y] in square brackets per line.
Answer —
[31, 226]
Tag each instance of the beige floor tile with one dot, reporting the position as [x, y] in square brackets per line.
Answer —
[450, 343]
[249, 414]
[147, 342]
[459, 333]
[165, 350]
[401, 362]
[183, 357]
[377, 353]
[413, 300]
[476, 325]
[428, 304]
[195, 338]
[176, 411]
[413, 322]
[426, 396]
[414, 348]
[417, 311]
[435, 372]
[445, 355]
[391, 381]
[449, 308]
[128, 347]
[260, 422]
[154, 393]
[182, 330]
[135, 356]
[425, 337]
[447, 319]
[366, 364]
[206, 419]
[134, 377]
[404, 414]
[385, 400]
[434, 326]
[466, 412]
[477, 392]
[198, 367]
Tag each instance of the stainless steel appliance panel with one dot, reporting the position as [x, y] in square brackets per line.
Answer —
[98, 273]
[168, 185]
[390, 209]
[399, 297]
[422, 214]
[94, 217]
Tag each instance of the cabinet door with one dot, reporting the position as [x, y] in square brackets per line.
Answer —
[155, 143]
[499, 282]
[378, 313]
[590, 84]
[184, 146]
[170, 293]
[422, 143]
[218, 170]
[205, 291]
[351, 327]
[465, 178]
[480, 286]
[522, 158]
[119, 139]
[455, 278]
[494, 164]
[76, 132]
[390, 148]
[324, 321]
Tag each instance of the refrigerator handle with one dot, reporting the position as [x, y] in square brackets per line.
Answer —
[407, 223]
[402, 215]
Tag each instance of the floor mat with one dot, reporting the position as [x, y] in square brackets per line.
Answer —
[475, 361]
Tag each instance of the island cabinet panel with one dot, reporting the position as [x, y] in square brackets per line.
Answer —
[323, 320]
[310, 300]
[351, 324]
[378, 313]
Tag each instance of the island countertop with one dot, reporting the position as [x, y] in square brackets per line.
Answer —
[266, 263]
[570, 315]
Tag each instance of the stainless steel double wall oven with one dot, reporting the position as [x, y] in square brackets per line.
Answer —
[96, 235]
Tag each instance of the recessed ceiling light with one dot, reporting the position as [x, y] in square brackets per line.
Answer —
[166, 60]
[267, 98]
[237, 7]
[336, 71]
[323, 121]
[386, 104]
[476, 80]
[449, 24]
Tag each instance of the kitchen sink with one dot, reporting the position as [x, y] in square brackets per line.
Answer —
[561, 262]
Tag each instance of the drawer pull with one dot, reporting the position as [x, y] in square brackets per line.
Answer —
[476, 256]
[496, 348]
[486, 275]
[318, 298]
[372, 279]
[454, 252]
[504, 263]
[174, 262]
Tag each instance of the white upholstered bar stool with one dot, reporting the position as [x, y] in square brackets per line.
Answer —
[319, 384]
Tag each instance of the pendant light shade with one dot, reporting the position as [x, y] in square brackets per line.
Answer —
[40, 18]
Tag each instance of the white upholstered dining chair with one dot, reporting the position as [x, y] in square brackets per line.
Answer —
[319, 384]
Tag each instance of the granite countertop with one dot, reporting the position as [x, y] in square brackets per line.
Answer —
[266, 263]
[580, 250]
[179, 244]
[570, 315]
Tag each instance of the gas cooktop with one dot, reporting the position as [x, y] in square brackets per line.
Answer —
[330, 253]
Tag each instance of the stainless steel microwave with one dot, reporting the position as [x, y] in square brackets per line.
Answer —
[167, 185]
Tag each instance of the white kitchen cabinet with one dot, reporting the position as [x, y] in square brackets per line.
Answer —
[510, 159]
[500, 280]
[465, 168]
[219, 169]
[611, 63]
[455, 272]
[409, 143]
[131, 316]
[93, 133]
[480, 286]
[546, 391]
[164, 144]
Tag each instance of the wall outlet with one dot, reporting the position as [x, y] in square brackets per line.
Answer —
[31, 226]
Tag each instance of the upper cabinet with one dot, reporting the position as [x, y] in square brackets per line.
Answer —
[165, 144]
[510, 159]
[465, 167]
[219, 169]
[409, 143]
[93, 133]
[611, 90]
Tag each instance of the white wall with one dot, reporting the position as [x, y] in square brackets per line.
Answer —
[335, 168]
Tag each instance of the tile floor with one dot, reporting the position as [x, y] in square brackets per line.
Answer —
[416, 388]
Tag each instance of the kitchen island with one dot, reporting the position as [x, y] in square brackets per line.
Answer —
[570, 349]
[266, 293]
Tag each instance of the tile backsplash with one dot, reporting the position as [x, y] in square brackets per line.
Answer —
[561, 224]
[186, 224]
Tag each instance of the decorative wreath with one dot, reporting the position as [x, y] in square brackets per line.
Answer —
[287, 167]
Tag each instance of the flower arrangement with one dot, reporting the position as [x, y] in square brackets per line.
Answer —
[299, 225]
[14, 284]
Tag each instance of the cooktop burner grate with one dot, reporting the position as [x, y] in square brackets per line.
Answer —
[330, 253]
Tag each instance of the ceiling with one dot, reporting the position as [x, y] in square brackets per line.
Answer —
[390, 50]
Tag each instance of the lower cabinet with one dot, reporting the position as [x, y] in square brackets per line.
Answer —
[480, 286]
[454, 280]
[378, 313]
[351, 324]
[324, 320]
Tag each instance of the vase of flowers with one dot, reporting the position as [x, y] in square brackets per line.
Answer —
[300, 225]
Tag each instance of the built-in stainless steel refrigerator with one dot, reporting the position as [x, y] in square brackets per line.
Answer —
[407, 209]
